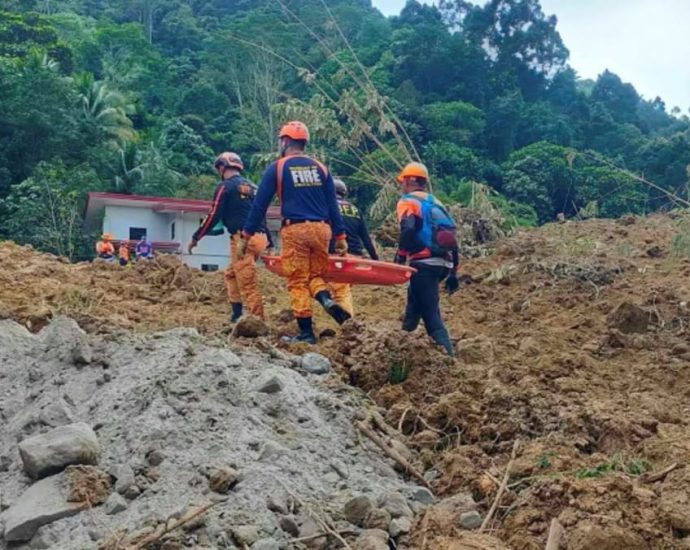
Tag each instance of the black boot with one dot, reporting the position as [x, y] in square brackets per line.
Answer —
[442, 338]
[236, 311]
[306, 333]
[331, 307]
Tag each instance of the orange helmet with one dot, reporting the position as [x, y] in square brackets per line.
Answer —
[107, 237]
[413, 170]
[295, 130]
[229, 160]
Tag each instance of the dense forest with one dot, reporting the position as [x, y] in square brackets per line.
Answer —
[136, 96]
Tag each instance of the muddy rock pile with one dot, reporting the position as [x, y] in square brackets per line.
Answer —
[163, 439]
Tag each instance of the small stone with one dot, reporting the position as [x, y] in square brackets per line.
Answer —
[315, 363]
[155, 457]
[132, 492]
[266, 544]
[289, 525]
[470, 520]
[271, 385]
[223, 479]
[124, 476]
[96, 534]
[400, 526]
[378, 518]
[250, 326]
[309, 528]
[332, 478]
[115, 504]
[82, 354]
[396, 505]
[372, 539]
[245, 534]
[277, 504]
[356, 509]
[51, 452]
[272, 449]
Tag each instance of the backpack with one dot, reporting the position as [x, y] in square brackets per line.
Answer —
[438, 228]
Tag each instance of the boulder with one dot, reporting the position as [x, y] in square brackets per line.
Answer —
[315, 363]
[51, 452]
[42, 503]
[356, 509]
[378, 518]
[396, 505]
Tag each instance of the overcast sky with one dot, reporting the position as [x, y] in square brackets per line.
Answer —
[645, 42]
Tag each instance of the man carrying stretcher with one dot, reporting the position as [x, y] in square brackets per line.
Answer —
[310, 217]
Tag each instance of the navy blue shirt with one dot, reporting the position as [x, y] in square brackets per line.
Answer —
[306, 192]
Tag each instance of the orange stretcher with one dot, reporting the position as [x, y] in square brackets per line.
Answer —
[354, 270]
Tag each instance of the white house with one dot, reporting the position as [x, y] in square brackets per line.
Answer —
[167, 222]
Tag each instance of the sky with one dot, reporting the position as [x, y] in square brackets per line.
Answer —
[645, 42]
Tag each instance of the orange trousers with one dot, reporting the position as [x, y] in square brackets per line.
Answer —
[240, 276]
[304, 258]
[342, 294]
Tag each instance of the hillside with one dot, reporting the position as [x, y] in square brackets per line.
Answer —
[572, 338]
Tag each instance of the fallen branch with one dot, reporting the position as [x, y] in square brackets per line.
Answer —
[556, 532]
[392, 453]
[378, 421]
[325, 534]
[661, 474]
[186, 518]
[502, 488]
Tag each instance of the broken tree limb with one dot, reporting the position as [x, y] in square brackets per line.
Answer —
[502, 488]
[392, 453]
[556, 532]
[159, 533]
[661, 474]
[382, 425]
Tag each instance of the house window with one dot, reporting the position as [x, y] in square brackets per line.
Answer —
[136, 233]
[209, 267]
[172, 231]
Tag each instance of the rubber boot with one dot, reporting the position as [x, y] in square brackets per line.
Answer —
[442, 338]
[306, 333]
[236, 311]
[331, 307]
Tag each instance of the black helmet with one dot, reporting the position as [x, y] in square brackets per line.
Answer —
[340, 187]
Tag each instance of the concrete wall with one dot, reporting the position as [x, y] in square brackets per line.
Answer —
[118, 220]
[210, 250]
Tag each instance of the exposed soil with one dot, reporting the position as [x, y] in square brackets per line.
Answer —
[572, 338]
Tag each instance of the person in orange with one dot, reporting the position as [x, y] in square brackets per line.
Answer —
[427, 239]
[232, 202]
[123, 253]
[105, 248]
[310, 213]
[358, 239]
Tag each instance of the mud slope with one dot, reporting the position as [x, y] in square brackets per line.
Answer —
[573, 339]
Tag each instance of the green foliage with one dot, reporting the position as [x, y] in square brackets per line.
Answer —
[617, 463]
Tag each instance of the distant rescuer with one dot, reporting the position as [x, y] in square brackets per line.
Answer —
[143, 249]
[105, 248]
[427, 239]
[310, 214]
[232, 202]
[358, 239]
[123, 253]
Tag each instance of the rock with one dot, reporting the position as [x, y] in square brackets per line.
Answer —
[132, 492]
[423, 496]
[400, 526]
[155, 457]
[223, 479]
[246, 534]
[250, 326]
[315, 363]
[356, 509]
[309, 528]
[371, 539]
[655, 252]
[470, 520]
[277, 503]
[628, 318]
[289, 525]
[378, 518]
[82, 354]
[124, 479]
[271, 385]
[266, 544]
[396, 505]
[51, 452]
[42, 503]
[115, 504]
[475, 350]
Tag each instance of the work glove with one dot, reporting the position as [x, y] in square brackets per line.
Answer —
[341, 247]
[452, 284]
[400, 259]
[191, 246]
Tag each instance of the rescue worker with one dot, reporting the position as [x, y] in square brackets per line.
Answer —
[123, 253]
[310, 217]
[232, 202]
[144, 249]
[358, 239]
[105, 248]
[427, 240]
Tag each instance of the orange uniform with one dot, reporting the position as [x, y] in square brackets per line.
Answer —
[105, 249]
[240, 275]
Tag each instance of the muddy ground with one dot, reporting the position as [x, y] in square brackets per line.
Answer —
[573, 340]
